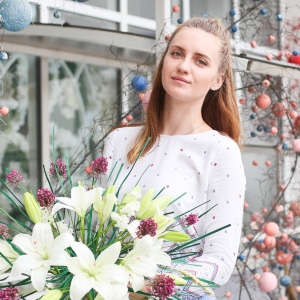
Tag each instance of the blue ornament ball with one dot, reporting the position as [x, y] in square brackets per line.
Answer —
[232, 12]
[267, 128]
[260, 128]
[241, 257]
[234, 29]
[56, 14]
[285, 147]
[295, 52]
[253, 134]
[285, 280]
[279, 17]
[139, 83]
[298, 256]
[205, 15]
[180, 21]
[280, 268]
[252, 116]
[263, 11]
[15, 14]
[3, 55]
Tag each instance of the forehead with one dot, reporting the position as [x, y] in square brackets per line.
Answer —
[197, 41]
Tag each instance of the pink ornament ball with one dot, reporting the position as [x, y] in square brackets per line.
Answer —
[4, 111]
[88, 170]
[167, 37]
[251, 89]
[242, 101]
[296, 145]
[246, 205]
[297, 123]
[271, 229]
[264, 210]
[249, 237]
[253, 44]
[278, 109]
[129, 118]
[266, 83]
[255, 163]
[270, 242]
[228, 294]
[267, 282]
[263, 101]
[293, 114]
[297, 289]
[274, 130]
[293, 104]
[282, 187]
[269, 56]
[268, 163]
[176, 8]
[256, 276]
[254, 108]
[271, 39]
[265, 269]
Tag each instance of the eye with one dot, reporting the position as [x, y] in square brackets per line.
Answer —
[202, 62]
[176, 53]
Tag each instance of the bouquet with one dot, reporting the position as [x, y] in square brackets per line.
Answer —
[80, 241]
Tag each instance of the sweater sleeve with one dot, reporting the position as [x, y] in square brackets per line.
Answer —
[225, 193]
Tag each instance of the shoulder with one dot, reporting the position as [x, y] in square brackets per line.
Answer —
[124, 133]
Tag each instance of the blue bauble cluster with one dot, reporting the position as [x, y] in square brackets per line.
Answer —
[15, 14]
[285, 280]
[296, 52]
[139, 83]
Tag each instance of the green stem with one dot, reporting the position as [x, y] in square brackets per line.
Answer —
[82, 228]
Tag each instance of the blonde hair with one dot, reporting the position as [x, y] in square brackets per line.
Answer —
[219, 108]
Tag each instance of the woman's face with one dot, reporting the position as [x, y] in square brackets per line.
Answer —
[190, 67]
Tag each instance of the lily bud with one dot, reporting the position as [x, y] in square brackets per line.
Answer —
[177, 279]
[145, 203]
[163, 221]
[32, 208]
[175, 236]
[110, 190]
[133, 195]
[52, 295]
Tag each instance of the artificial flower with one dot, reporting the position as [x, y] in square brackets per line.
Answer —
[121, 221]
[42, 252]
[101, 274]
[80, 201]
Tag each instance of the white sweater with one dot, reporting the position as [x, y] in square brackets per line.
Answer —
[207, 167]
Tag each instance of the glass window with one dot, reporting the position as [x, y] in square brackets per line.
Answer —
[213, 8]
[143, 9]
[83, 104]
[18, 129]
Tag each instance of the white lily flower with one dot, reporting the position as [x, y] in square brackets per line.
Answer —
[133, 195]
[42, 252]
[80, 201]
[102, 274]
[7, 250]
[122, 221]
[132, 228]
[130, 208]
[63, 228]
[139, 264]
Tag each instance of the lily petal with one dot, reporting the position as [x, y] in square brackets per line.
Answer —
[105, 290]
[137, 282]
[63, 241]
[24, 242]
[109, 272]
[84, 254]
[109, 255]
[24, 263]
[42, 235]
[38, 277]
[59, 206]
[80, 285]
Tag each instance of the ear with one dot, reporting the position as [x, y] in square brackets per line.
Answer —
[218, 83]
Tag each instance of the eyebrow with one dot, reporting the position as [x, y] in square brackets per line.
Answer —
[198, 54]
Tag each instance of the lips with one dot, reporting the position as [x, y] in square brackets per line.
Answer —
[178, 78]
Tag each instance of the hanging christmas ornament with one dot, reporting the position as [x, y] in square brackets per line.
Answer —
[56, 14]
[15, 14]
[4, 111]
[285, 280]
[3, 55]
[267, 282]
[139, 83]
[263, 101]
[278, 109]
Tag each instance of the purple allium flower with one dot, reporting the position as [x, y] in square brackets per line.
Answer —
[99, 166]
[161, 286]
[191, 219]
[45, 197]
[61, 168]
[4, 231]
[147, 226]
[15, 177]
[10, 293]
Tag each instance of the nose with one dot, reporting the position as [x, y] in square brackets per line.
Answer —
[183, 66]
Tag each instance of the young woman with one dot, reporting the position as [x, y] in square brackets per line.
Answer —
[192, 119]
